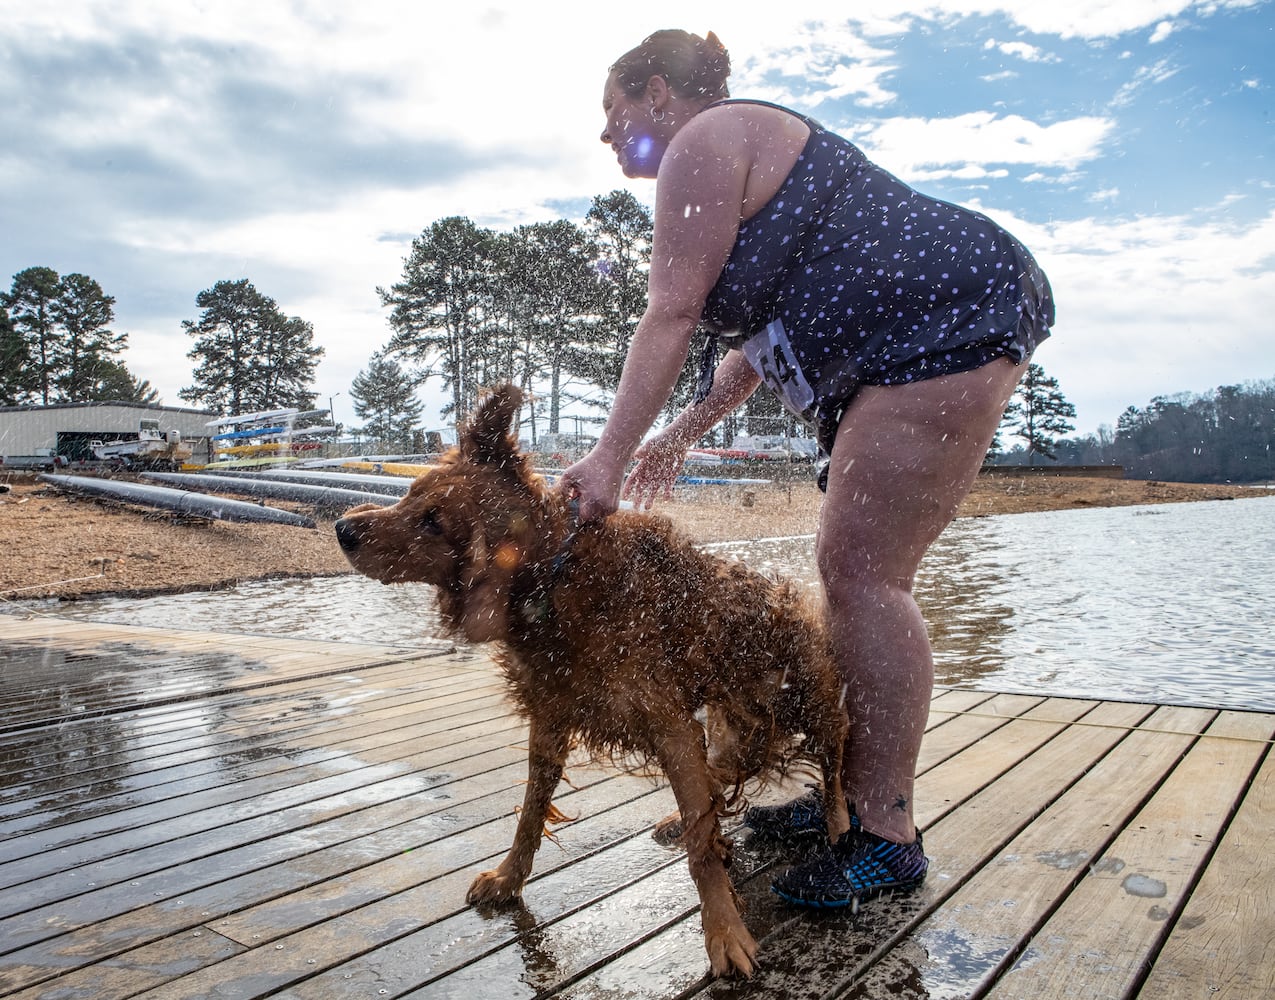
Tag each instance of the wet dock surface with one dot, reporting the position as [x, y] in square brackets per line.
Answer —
[199, 814]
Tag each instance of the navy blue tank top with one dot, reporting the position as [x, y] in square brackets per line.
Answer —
[871, 282]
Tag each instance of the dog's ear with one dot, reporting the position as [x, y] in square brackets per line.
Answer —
[486, 586]
[487, 437]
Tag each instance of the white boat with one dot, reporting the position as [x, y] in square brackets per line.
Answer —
[151, 448]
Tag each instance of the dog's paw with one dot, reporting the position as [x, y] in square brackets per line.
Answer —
[668, 831]
[732, 951]
[493, 889]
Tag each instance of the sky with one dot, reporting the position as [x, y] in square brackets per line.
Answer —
[161, 147]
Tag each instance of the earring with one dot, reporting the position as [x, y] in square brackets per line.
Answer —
[657, 117]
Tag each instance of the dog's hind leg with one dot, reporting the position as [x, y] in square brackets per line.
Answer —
[545, 761]
[731, 949]
[723, 758]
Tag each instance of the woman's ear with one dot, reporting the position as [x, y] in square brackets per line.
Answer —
[658, 93]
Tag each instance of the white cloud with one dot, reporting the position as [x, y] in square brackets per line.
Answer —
[1162, 31]
[821, 61]
[1091, 19]
[1143, 77]
[1020, 50]
[910, 146]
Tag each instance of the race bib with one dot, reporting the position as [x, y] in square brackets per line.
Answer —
[772, 357]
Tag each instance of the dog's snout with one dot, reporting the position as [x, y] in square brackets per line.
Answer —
[347, 535]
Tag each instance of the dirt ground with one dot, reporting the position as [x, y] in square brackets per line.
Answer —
[58, 545]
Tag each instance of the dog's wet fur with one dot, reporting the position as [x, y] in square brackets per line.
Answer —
[612, 636]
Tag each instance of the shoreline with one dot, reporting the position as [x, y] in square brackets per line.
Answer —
[62, 546]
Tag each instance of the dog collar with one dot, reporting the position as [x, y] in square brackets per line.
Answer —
[535, 608]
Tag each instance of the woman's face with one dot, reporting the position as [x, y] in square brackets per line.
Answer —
[631, 131]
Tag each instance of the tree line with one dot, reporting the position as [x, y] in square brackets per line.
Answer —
[1225, 435]
[551, 307]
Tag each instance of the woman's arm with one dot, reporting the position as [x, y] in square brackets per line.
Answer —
[660, 459]
[733, 382]
[699, 196]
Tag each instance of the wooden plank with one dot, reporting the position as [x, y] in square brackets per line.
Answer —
[1096, 942]
[213, 762]
[136, 678]
[597, 905]
[57, 798]
[127, 851]
[597, 790]
[967, 838]
[803, 953]
[154, 722]
[671, 888]
[966, 728]
[959, 948]
[74, 631]
[300, 878]
[831, 944]
[1223, 945]
[957, 709]
[193, 662]
[236, 776]
[1018, 737]
[947, 702]
[79, 637]
[533, 962]
[297, 896]
[314, 961]
[123, 917]
[963, 774]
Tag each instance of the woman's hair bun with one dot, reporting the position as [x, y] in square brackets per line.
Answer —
[694, 67]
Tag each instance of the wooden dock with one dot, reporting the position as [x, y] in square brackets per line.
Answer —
[196, 814]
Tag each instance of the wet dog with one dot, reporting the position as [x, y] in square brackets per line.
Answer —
[612, 636]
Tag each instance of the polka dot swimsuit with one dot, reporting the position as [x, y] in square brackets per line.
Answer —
[872, 282]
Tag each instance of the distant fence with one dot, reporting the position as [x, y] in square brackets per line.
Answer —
[1023, 471]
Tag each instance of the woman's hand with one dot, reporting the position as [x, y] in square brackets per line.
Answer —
[659, 462]
[594, 481]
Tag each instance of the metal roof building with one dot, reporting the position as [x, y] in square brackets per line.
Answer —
[67, 428]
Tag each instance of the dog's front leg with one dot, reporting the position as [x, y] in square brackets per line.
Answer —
[829, 729]
[731, 949]
[548, 754]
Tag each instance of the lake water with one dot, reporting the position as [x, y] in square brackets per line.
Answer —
[1167, 603]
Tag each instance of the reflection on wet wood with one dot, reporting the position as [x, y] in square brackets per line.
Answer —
[188, 814]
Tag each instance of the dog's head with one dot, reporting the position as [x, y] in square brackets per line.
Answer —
[471, 526]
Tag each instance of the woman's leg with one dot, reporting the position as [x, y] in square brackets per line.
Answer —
[903, 459]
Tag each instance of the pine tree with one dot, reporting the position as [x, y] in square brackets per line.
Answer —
[30, 304]
[621, 228]
[1038, 413]
[111, 381]
[55, 337]
[16, 376]
[84, 312]
[250, 355]
[385, 396]
[439, 311]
